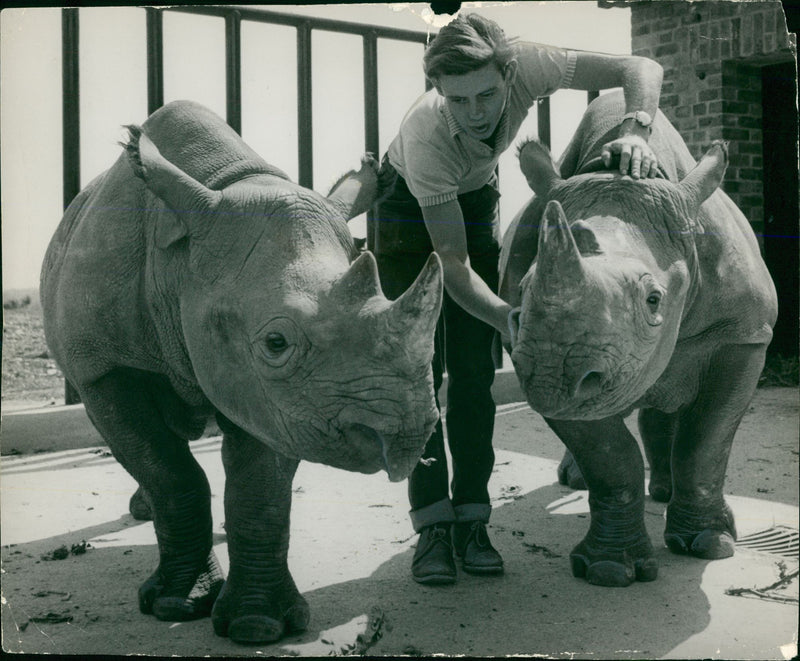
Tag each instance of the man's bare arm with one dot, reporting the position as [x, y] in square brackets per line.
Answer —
[445, 224]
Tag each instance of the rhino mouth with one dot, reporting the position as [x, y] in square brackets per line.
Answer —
[375, 453]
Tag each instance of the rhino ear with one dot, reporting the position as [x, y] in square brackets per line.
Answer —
[537, 165]
[705, 178]
[185, 196]
[355, 192]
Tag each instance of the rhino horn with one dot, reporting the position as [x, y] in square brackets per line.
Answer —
[560, 267]
[537, 165]
[706, 176]
[183, 195]
[360, 281]
[413, 316]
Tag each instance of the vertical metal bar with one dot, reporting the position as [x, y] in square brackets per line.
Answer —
[543, 121]
[233, 69]
[155, 59]
[305, 144]
[70, 125]
[71, 121]
[371, 123]
[371, 130]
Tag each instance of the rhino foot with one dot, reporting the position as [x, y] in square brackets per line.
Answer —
[139, 506]
[178, 596]
[703, 535]
[569, 474]
[255, 617]
[614, 568]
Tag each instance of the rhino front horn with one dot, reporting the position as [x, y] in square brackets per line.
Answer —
[560, 266]
[415, 313]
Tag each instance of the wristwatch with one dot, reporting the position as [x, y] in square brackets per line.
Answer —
[642, 118]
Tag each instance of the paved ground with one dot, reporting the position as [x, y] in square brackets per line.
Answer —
[351, 552]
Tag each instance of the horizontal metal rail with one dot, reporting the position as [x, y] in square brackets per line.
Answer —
[314, 23]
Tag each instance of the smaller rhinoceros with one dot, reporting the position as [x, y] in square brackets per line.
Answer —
[648, 294]
[192, 278]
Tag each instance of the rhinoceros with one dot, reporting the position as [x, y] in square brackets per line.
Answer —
[192, 278]
[646, 294]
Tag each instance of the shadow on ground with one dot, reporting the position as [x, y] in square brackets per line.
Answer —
[86, 603]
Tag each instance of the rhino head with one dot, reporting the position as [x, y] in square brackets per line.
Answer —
[285, 335]
[602, 303]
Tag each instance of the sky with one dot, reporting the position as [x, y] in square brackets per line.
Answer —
[113, 93]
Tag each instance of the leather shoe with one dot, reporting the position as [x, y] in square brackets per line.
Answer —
[433, 562]
[473, 547]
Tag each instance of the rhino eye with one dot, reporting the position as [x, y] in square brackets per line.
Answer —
[279, 342]
[653, 301]
[276, 344]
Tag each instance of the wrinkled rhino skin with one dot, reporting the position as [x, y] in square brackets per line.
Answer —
[191, 279]
[644, 294]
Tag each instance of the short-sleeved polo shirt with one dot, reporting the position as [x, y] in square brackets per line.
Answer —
[440, 161]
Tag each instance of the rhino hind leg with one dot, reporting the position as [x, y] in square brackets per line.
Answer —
[569, 474]
[260, 602]
[617, 550]
[658, 431]
[124, 406]
[139, 506]
[699, 522]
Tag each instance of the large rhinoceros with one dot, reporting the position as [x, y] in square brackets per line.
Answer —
[193, 278]
[648, 294]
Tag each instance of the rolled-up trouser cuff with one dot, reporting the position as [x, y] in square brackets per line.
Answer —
[473, 512]
[438, 512]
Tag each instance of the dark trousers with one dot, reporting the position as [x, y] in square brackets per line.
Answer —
[463, 347]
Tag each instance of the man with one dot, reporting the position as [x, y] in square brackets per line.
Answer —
[444, 198]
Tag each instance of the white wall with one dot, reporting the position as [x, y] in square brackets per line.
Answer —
[113, 84]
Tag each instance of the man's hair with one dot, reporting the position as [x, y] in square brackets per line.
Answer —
[466, 44]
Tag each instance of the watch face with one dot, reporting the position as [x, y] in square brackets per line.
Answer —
[643, 118]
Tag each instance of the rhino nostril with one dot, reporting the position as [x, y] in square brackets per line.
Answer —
[589, 385]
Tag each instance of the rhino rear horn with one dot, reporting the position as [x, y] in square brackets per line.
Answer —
[414, 315]
[706, 176]
[560, 266]
[360, 282]
[537, 165]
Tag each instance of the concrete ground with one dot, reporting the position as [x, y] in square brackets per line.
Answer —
[351, 552]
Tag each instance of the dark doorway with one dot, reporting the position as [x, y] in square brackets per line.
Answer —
[781, 248]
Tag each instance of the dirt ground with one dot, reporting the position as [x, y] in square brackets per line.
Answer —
[60, 596]
[29, 374]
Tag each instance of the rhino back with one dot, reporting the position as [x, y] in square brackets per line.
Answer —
[735, 296]
[204, 146]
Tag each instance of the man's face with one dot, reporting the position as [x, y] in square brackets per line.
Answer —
[477, 98]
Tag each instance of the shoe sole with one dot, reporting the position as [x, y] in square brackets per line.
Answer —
[435, 579]
[483, 571]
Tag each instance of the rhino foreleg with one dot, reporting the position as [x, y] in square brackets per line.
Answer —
[259, 602]
[124, 406]
[617, 550]
[658, 431]
[698, 520]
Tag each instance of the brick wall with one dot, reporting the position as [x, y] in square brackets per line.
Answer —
[712, 54]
